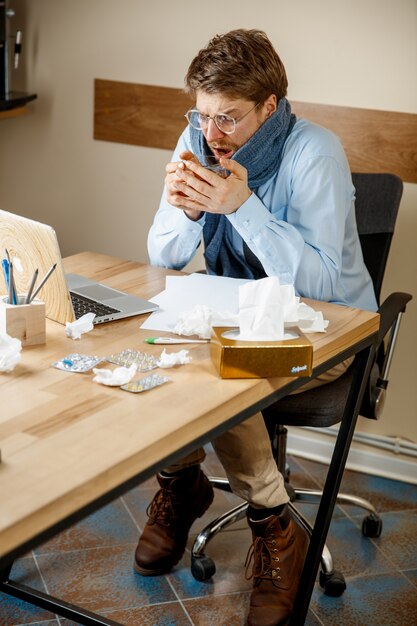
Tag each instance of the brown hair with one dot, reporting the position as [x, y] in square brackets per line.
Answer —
[241, 63]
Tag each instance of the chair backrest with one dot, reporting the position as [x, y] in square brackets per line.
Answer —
[378, 197]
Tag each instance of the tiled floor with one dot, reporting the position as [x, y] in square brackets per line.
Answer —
[91, 564]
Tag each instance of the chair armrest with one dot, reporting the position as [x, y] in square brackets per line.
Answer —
[389, 310]
[374, 396]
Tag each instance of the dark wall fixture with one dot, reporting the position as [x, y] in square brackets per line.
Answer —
[10, 51]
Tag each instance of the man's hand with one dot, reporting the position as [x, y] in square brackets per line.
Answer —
[195, 189]
[208, 191]
[174, 196]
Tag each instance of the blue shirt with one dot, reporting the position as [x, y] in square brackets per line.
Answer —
[300, 224]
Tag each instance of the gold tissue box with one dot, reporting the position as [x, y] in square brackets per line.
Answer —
[234, 358]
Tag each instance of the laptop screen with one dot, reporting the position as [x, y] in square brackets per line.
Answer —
[32, 245]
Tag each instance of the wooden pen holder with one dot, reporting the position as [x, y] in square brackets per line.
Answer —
[23, 321]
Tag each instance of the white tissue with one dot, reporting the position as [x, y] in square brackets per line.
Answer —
[10, 352]
[200, 319]
[82, 325]
[261, 310]
[114, 378]
[290, 303]
[309, 320]
[197, 321]
[174, 358]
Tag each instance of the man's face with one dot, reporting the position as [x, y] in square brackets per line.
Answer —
[221, 144]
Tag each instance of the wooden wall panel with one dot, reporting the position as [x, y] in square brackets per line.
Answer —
[153, 116]
[142, 115]
[375, 141]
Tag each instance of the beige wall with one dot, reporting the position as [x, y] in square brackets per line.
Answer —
[101, 196]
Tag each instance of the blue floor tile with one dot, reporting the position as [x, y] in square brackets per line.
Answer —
[102, 579]
[352, 552]
[383, 600]
[411, 575]
[14, 611]
[112, 525]
[398, 540]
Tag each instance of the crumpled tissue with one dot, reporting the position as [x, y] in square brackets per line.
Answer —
[309, 320]
[114, 378]
[174, 358]
[200, 319]
[82, 325]
[10, 352]
[197, 321]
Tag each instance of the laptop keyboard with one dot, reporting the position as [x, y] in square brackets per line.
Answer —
[83, 305]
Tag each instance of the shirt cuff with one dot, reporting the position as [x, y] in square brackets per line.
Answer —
[250, 217]
[186, 224]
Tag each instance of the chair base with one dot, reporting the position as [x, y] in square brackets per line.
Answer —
[331, 580]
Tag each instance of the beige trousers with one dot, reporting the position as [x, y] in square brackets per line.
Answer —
[246, 455]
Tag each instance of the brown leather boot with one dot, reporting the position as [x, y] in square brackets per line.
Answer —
[278, 552]
[181, 499]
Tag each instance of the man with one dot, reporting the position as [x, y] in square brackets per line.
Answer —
[286, 208]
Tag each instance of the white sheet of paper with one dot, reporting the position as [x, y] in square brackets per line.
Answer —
[182, 293]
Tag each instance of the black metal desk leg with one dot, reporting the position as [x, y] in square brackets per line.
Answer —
[364, 360]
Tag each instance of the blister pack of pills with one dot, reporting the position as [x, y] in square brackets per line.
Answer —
[77, 362]
[144, 362]
[146, 383]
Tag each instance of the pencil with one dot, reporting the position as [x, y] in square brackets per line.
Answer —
[11, 290]
[32, 284]
[43, 281]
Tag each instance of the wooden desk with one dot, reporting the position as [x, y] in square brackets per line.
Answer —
[70, 445]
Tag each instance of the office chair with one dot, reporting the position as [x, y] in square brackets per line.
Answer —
[377, 200]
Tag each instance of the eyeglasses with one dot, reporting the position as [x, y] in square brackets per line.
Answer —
[225, 123]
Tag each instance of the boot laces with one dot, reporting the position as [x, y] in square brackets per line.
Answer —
[161, 509]
[263, 556]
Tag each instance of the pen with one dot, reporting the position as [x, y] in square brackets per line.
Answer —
[167, 340]
[43, 281]
[11, 295]
[32, 284]
[5, 266]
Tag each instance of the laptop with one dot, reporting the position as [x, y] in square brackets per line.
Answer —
[33, 245]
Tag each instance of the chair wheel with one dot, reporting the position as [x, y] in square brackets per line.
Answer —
[333, 584]
[372, 525]
[202, 568]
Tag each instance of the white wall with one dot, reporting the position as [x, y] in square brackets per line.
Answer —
[101, 196]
